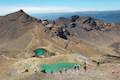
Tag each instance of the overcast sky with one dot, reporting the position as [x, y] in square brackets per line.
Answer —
[50, 6]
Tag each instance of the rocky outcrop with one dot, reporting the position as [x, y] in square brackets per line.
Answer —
[88, 23]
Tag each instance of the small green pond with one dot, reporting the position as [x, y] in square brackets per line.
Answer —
[40, 51]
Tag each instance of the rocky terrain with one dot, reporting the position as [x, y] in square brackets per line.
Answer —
[74, 39]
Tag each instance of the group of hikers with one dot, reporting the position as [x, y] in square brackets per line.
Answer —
[76, 68]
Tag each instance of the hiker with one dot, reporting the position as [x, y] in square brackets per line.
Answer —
[98, 63]
[25, 70]
[43, 71]
[60, 71]
[36, 68]
[75, 67]
[51, 72]
[78, 67]
[85, 67]
[65, 70]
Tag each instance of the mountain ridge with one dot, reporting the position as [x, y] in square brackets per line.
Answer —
[103, 15]
[18, 27]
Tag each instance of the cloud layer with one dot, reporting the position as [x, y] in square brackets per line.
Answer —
[6, 10]
[34, 10]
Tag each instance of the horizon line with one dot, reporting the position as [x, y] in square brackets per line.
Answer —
[43, 10]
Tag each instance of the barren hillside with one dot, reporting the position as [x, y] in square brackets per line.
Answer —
[76, 39]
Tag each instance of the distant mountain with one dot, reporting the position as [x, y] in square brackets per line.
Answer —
[108, 16]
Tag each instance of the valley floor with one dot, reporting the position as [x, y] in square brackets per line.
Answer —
[107, 71]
